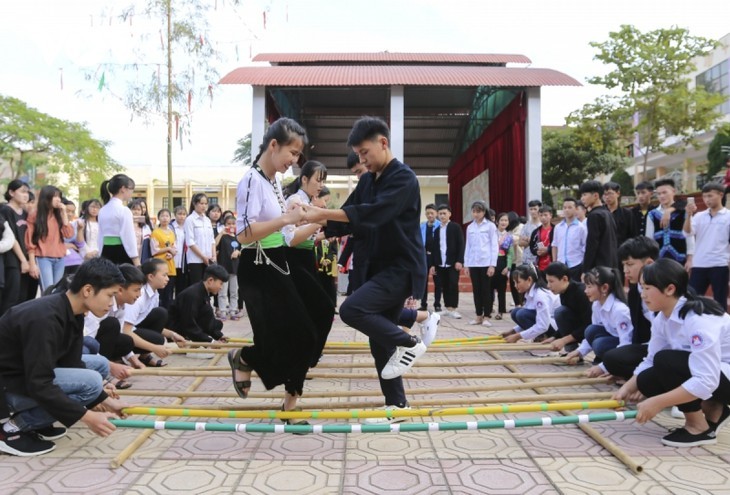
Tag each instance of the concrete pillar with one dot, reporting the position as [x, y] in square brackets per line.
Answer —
[152, 208]
[397, 121]
[533, 146]
[258, 123]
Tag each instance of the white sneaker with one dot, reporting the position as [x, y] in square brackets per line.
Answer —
[402, 360]
[429, 327]
[486, 323]
[455, 314]
[384, 420]
[444, 312]
[475, 322]
[676, 413]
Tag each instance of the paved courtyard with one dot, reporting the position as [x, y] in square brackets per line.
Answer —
[542, 460]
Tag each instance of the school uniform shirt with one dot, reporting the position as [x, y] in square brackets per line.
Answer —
[712, 239]
[544, 303]
[38, 336]
[257, 200]
[615, 317]
[179, 245]
[92, 322]
[289, 231]
[91, 236]
[482, 245]
[192, 315]
[116, 220]
[570, 241]
[148, 300]
[199, 232]
[705, 337]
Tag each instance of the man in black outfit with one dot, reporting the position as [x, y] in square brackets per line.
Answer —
[644, 192]
[601, 240]
[427, 230]
[449, 262]
[383, 212]
[191, 314]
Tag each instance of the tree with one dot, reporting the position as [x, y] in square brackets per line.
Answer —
[243, 151]
[651, 72]
[30, 139]
[569, 160]
[623, 179]
[716, 155]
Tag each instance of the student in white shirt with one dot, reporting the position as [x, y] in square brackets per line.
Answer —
[181, 274]
[117, 241]
[688, 362]
[537, 317]
[480, 260]
[569, 240]
[145, 320]
[199, 238]
[711, 230]
[611, 324]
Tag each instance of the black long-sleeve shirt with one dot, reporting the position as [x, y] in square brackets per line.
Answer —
[36, 337]
[601, 247]
[192, 315]
[574, 298]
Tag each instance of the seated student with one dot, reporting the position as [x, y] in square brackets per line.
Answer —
[688, 362]
[41, 366]
[635, 254]
[145, 320]
[574, 313]
[535, 318]
[191, 313]
[611, 325]
[111, 342]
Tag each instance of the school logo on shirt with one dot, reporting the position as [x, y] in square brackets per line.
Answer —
[539, 304]
[696, 340]
[623, 325]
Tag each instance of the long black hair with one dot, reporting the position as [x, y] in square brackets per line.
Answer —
[284, 130]
[527, 271]
[46, 209]
[14, 185]
[112, 186]
[197, 198]
[664, 272]
[309, 170]
[606, 275]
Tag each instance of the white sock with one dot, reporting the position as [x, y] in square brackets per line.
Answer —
[10, 427]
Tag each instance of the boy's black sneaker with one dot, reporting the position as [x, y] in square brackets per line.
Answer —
[682, 438]
[722, 422]
[51, 432]
[24, 444]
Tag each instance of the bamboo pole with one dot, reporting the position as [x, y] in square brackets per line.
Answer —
[372, 393]
[359, 414]
[604, 442]
[142, 437]
[239, 340]
[347, 351]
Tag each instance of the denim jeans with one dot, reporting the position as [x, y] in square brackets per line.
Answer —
[82, 385]
[51, 271]
[524, 317]
[601, 341]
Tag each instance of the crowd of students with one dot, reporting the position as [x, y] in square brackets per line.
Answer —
[117, 289]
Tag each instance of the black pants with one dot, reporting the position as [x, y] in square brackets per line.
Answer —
[622, 361]
[151, 328]
[327, 282]
[576, 272]
[450, 283]
[113, 344]
[569, 324]
[195, 272]
[670, 370]
[482, 289]
[716, 277]
[516, 296]
[166, 294]
[436, 292]
[11, 292]
[373, 309]
[499, 283]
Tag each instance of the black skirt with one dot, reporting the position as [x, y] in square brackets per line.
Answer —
[116, 254]
[284, 335]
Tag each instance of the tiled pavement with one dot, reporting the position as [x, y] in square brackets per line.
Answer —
[521, 461]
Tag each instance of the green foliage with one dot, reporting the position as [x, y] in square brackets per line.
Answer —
[243, 151]
[624, 180]
[568, 159]
[715, 156]
[650, 69]
[30, 139]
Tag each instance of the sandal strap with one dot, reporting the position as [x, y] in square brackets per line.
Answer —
[237, 364]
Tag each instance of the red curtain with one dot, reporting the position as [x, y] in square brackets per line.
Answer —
[501, 150]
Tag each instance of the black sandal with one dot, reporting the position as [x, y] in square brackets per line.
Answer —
[149, 360]
[292, 422]
[234, 359]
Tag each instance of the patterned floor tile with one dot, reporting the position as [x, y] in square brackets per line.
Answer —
[212, 445]
[483, 444]
[496, 476]
[17, 472]
[192, 477]
[301, 447]
[402, 477]
[294, 477]
[591, 475]
[685, 474]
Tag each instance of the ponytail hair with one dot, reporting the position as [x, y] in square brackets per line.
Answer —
[112, 186]
[601, 275]
[284, 131]
[665, 272]
[528, 271]
[310, 169]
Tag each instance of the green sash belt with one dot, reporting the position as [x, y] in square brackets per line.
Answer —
[112, 241]
[274, 240]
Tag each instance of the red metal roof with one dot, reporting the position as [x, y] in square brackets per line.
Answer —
[442, 58]
[407, 75]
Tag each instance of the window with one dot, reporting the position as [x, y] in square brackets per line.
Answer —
[441, 199]
[717, 80]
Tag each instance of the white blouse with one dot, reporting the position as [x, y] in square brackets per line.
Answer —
[482, 244]
[257, 200]
[115, 220]
[199, 232]
[289, 231]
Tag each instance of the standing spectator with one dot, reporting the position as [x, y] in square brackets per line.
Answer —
[644, 192]
[181, 277]
[88, 228]
[505, 262]
[601, 238]
[541, 240]
[74, 247]
[581, 212]
[214, 213]
[515, 226]
[480, 260]
[142, 230]
[711, 229]
[448, 259]
[569, 240]
[229, 252]
[622, 217]
[199, 238]
[726, 180]
[666, 222]
[427, 229]
[47, 227]
[532, 223]
[163, 246]
[18, 282]
[117, 241]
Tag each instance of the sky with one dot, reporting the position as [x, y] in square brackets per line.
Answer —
[49, 46]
